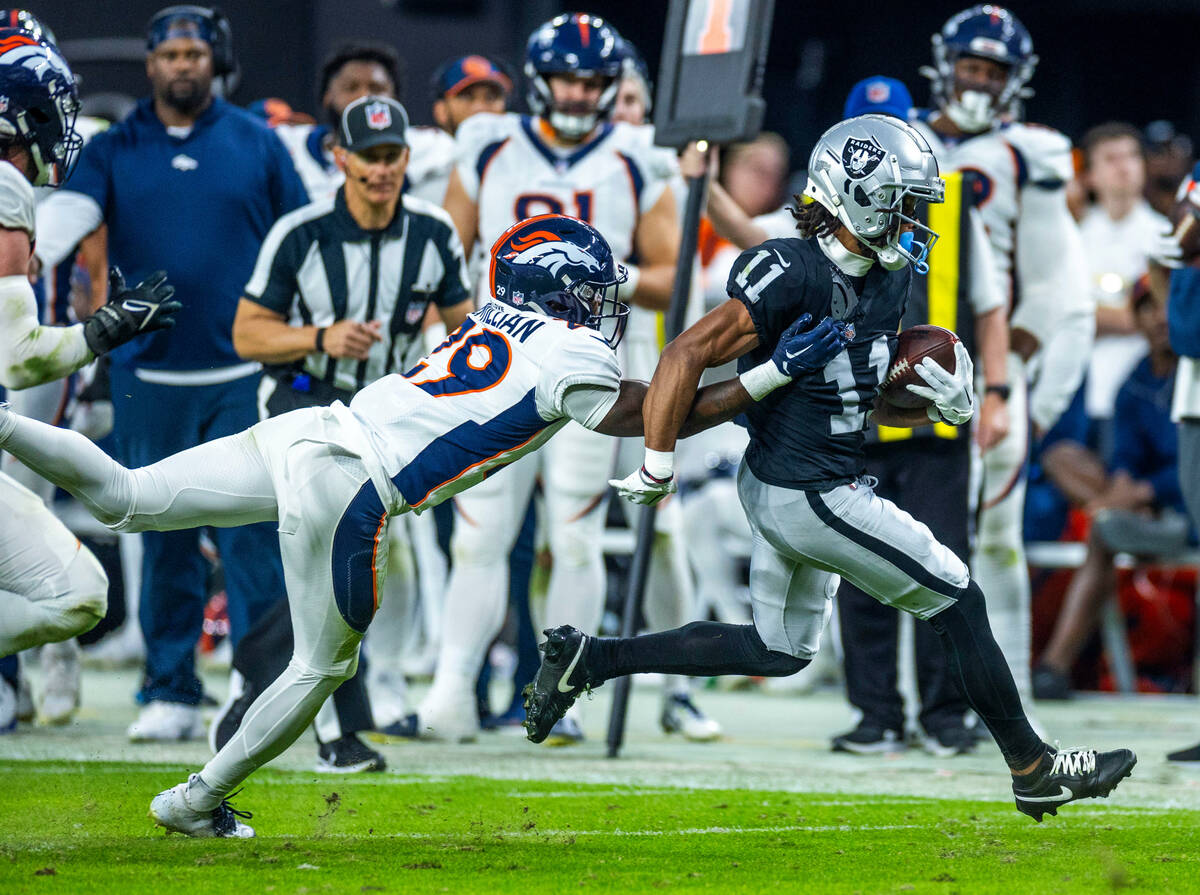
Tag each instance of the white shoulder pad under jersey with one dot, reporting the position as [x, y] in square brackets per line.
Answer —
[1046, 153]
[490, 393]
[1007, 164]
[430, 161]
[661, 161]
[482, 131]
[304, 144]
[16, 200]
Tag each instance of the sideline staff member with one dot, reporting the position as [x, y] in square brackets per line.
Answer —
[191, 184]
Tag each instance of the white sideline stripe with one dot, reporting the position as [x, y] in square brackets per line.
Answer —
[692, 831]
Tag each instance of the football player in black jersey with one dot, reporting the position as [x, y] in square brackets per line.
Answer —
[803, 483]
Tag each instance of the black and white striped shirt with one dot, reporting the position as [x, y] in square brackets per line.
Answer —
[317, 266]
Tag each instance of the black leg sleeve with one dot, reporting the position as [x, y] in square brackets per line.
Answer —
[352, 703]
[980, 671]
[266, 648]
[700, 649]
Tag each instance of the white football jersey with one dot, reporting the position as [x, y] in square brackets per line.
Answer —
[1022, 171]
[491, 393]
[16, 200]
[511, 170]
[430, 161]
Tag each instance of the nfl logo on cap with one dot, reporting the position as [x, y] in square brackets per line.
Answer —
[879, 92]
[379, 116]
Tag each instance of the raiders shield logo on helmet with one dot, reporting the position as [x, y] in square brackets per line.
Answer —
[860, 157]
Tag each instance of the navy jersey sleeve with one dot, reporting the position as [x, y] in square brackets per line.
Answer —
[775, 284]
[93, 172]
[287, 190]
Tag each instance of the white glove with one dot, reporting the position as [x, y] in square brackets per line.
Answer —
[641, 487]
[1166, 250]
[952, 394]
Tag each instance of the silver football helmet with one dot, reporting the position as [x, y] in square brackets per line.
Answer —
[870, 172]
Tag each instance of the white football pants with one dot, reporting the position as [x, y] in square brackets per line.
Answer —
[998, 563]
[670, 597]
[574, 467]
[333, 540]
[51, 587]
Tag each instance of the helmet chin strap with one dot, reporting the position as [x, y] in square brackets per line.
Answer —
[973, 112]
[890, 257]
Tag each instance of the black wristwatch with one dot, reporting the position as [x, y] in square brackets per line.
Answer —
[1002, 390]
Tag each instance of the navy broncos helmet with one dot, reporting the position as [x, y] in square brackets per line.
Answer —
[988, 32]
[561, 267]
[27, 21]
[579, 44]
[38, 105]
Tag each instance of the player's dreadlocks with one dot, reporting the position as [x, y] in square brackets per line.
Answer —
[812, 218]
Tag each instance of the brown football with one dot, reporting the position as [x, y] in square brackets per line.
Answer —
[916, 344]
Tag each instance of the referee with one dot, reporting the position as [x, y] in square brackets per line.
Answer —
[337, 299]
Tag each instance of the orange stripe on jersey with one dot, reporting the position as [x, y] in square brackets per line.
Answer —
[374, 563]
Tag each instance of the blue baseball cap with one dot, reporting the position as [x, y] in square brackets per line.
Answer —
[879, 95]
[457, 74]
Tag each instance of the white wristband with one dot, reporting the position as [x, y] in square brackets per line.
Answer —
[660, 464]
[760, 381]
[432, 336]
[629, 287]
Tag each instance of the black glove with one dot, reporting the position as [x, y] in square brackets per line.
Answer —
[146, 307]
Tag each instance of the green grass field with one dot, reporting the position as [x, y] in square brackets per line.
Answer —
[73, 827]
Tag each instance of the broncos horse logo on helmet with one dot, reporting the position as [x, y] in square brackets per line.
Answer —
[561, 267]
[40, 102]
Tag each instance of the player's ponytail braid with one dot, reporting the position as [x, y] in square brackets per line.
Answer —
[812, 218]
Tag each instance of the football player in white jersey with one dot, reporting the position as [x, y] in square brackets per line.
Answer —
[671, 597]
[464, 85]
[983, 60]
[354, 70]
[517, 371]
[566, 158]
[51, 587]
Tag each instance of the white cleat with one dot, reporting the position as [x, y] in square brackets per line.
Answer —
[166, 722]
[170, 810]
[448, 716]
[60, 683]
[388, 692]
[123, 648]
[681, 715]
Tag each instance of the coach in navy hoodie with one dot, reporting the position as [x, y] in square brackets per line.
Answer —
[189, 184]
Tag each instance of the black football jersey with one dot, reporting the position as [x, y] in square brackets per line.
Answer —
[809, 434]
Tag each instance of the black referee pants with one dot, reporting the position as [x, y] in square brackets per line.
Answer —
[928, 478]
